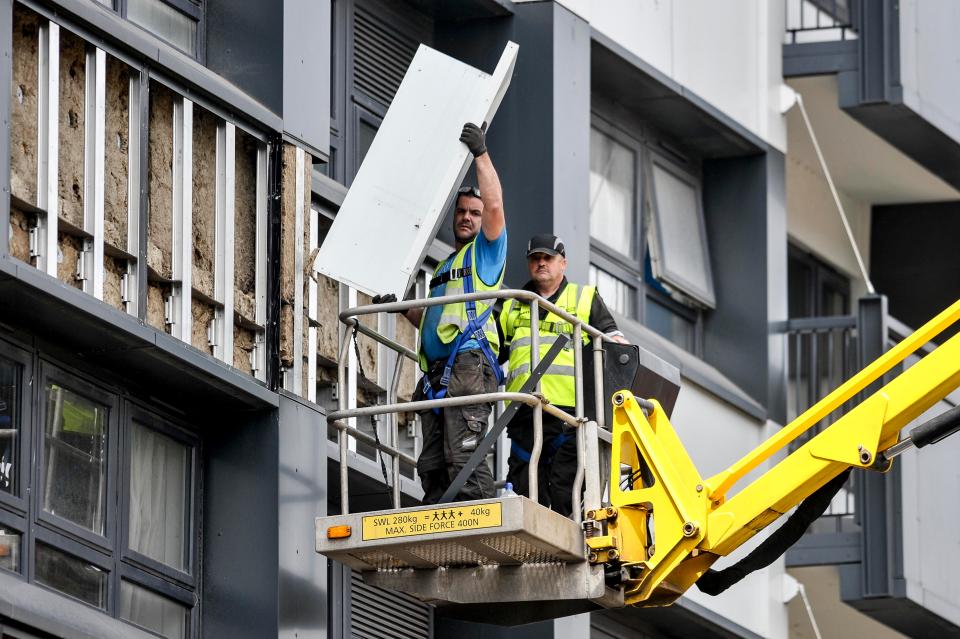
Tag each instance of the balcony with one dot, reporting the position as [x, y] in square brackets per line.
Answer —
[820, 21]
[874, 530]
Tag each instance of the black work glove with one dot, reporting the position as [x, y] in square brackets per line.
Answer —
[385, 299]
[475, 139]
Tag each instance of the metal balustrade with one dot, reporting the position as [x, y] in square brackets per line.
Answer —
[589, 432]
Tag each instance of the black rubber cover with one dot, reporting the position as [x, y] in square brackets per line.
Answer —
[938, 428]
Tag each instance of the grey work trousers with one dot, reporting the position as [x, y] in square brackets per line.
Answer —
[451, 437]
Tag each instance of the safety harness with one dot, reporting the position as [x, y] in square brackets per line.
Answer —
[550, 451]
[474, 329]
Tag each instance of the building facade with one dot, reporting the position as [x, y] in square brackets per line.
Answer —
[170, 167]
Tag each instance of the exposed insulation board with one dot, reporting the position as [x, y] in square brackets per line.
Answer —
[73, 88]
[245, 226]
[204, 199]
[160, 227]
[117, 148]
[408, 177]
[23, 112]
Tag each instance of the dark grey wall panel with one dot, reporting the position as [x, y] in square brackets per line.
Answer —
[306, 73]
[302, 497]
[240, 525]
[571, 139]
[745, 217]
[245, 46]
[6, 71]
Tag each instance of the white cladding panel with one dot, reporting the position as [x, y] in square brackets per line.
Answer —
[408, 177]
[728, 53]
[930, 481]
[930, 61]
[716, 435]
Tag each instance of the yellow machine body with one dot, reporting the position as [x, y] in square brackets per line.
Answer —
[666, 524]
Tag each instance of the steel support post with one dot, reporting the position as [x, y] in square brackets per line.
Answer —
[533, 467]
[6, 71]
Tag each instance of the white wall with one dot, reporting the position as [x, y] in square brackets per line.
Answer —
[716, 435]
[814, 223]
[728, 53]
[930, 61]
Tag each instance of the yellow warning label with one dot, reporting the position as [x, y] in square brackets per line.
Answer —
[428, 522]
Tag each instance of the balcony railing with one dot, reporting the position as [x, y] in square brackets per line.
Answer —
[820, 21]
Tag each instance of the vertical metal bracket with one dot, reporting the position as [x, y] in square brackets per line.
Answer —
[223, 282]
[299, 187]
[262, 266]
[48, 146]
[137, 180]
[94, 158]
[312, 310]
[182, 258]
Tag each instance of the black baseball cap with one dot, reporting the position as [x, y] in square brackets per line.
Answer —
[546, 243]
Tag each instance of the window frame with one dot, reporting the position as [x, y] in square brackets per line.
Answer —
[50, 371]
[16, 499]
[195, 10]
[632, 270]
[165, 426]
[110, 552]
[706, 297]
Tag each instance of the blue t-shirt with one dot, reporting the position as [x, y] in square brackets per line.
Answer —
[491, 256]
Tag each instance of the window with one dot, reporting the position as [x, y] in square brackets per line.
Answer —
[112, 518]
[649, 257]
[678, 237]
[176, 21]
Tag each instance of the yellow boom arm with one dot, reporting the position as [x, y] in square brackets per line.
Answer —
[667, 525]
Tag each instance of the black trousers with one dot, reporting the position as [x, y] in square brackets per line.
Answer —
[558, 463]
[451, 437]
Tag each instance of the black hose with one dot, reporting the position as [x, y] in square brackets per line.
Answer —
[713, 582]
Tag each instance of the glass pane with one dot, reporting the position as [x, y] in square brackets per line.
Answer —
[617, 294]
[71, 576]
[680, 238]
[671, 325]
[612, 188]
[152, 611]
[161, 19]
[159, 497]
[74, 473]
[9, 426]
[9, 549]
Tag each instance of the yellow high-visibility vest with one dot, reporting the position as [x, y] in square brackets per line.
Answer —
[557, 385]
[453, 317]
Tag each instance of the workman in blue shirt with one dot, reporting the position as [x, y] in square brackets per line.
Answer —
[458, 341]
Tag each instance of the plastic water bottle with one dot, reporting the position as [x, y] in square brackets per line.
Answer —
[508, 490]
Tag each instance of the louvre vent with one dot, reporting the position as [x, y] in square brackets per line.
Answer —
[381, 56]
[376, 613]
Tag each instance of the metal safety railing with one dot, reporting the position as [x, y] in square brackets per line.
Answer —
[820, 20]
[587, 431]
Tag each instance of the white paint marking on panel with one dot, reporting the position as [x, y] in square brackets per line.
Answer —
[93, 169]
[48, 145]
[406, 183]
[297, 386]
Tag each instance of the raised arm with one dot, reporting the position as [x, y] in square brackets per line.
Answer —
[492, 220]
